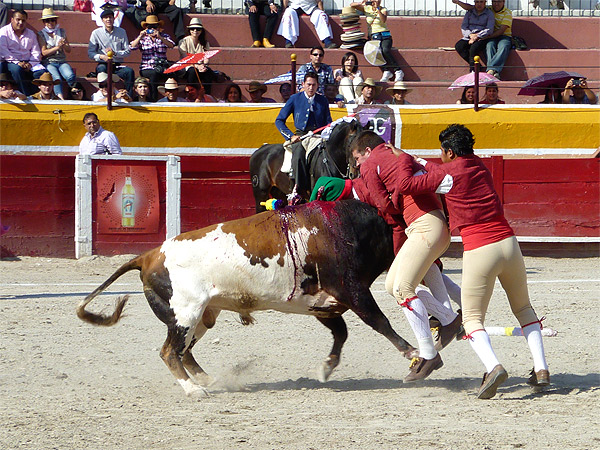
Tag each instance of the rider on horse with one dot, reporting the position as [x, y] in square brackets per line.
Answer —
[311, 111]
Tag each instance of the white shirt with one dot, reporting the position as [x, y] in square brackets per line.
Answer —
[308, 6]
[100, 143]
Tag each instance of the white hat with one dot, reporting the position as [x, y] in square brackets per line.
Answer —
[103, 76]
[171, 83]
[398, 86]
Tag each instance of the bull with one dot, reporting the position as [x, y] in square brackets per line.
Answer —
[317, 259]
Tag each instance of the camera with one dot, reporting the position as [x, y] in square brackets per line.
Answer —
[577, 82]
[150, 31]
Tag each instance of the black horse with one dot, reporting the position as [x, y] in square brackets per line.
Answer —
[333, 159]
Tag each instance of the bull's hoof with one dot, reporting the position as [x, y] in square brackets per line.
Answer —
[327, 367]
[203, 379]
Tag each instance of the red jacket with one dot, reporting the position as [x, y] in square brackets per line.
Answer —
[383, 171]
[470, 197]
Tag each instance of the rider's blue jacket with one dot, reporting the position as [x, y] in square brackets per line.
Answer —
[306, 117]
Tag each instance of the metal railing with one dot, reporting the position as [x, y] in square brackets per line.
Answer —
[572, 8]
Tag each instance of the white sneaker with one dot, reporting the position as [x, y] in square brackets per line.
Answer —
[398, 75]
[387, 76]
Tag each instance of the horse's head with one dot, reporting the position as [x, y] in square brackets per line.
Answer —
[339, 146]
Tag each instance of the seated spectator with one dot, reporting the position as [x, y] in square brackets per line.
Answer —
[491, 95]
[4, 10]
[316, 65]
[118, 8]
[46, 84]
[285, 90]
[141, 90]
[289, 27]
[196, 43]
[171, 91]
[20, 52]
[77, 92]
[577, 92]
[97, 140]
[156, 7]
[232, 94]
[398, 93]
[101, 96]
[477, 26]
[112, 38]
[255, 9]
[7, 88]
[332, 96]
[256, 90]
[153, 43]
[467, 97]
[378, 30]
[54, 44]
[553, 95]
[195, 93]
[499, 43]
[367, 93]
[349, 76]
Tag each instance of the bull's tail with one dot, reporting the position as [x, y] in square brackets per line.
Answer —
[108, 320]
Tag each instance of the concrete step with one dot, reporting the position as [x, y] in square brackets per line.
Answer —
[417, 64]
[408, 31]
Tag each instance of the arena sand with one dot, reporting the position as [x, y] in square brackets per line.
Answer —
[65, 384]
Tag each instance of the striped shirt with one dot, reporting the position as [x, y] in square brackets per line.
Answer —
[152, 49]
[503, 17]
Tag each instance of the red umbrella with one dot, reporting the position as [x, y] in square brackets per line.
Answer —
[539, 85]
[190, 59]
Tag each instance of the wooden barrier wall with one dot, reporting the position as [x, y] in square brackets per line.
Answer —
[544, 198]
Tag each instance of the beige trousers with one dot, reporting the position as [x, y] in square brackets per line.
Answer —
[481, 267]
[428, 238]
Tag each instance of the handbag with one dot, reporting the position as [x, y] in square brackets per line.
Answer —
[83, 5]
[161, 64]
[519, 43]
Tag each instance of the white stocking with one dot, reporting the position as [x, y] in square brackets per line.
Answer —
[533, 334]
[480, 341]
[453, 289]
[437, 309]
[419, 322]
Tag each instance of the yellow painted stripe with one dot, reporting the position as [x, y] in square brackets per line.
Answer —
[221, 126]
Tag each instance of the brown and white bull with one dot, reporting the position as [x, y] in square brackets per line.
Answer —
[317, 259]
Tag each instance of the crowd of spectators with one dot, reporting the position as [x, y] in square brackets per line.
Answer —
[36, 66]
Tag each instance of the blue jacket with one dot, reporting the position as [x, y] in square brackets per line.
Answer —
[298, 105]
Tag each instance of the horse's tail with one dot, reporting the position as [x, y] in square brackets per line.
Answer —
[108, 320]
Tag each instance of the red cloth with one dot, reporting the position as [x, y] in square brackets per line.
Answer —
[383, 171]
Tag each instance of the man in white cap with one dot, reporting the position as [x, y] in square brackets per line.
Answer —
[171, 91]
[367, 92]
[111, 38]
[398, 93]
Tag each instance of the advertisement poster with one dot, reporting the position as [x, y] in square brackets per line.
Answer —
[127, 199]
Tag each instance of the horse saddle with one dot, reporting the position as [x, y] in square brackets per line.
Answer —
[309, 144]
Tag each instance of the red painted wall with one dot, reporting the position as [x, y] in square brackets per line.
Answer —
[543, 197]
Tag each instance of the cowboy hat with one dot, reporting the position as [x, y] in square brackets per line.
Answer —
[103, 76]
[45, 78]
[48, 13]
[152, 20]
[170, 84]
[195, 23]
[6, 77]
[256, 86]
[399, 86]
[368, 82]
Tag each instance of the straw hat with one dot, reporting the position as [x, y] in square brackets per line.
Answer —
[170, 84]
[368, 82]
[45, 78]
[256, 86]
[103, 76]
[152, 20]
[398, 86]
[48, 13]
[195, 23]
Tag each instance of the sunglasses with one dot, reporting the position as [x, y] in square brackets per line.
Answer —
[76, 91]
[152, 26]
[103, 85]
[320, 55]
[49, 20]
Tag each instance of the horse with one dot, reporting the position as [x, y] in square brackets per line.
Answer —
[331, 159]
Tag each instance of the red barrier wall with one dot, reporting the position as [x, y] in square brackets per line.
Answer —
[546, 198]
